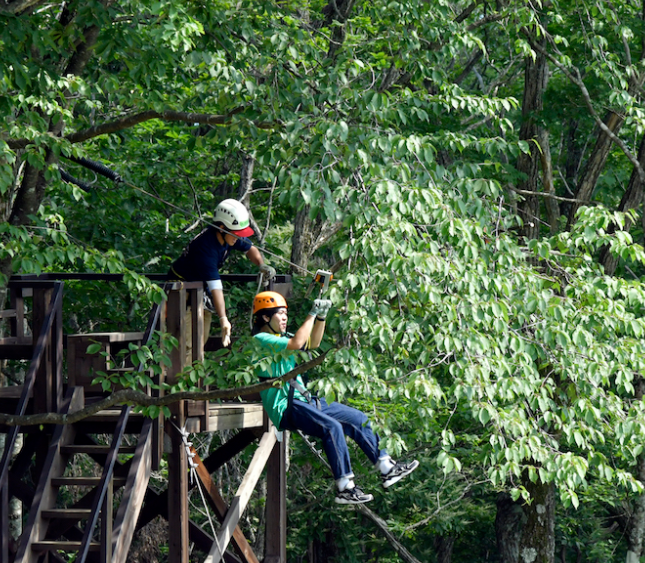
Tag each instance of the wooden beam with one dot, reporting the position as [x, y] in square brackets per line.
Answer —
[218, 504]
[241, 499]
[57, 356]
[106, 525]
[176, 326]
[177, 490]
[276, 504]
[135, 490]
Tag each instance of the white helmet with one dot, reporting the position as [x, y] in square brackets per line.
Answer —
[234, 216]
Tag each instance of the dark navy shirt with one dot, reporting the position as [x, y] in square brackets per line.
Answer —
[204, 256]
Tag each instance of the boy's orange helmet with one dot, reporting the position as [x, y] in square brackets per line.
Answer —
[268, 300]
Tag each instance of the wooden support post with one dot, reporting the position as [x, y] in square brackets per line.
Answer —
[43, 385]
[4, 521]
[196, 297]
[57, 358]
[17, 324]
[177, 491]
[276, 504]
[177, 460]
[176, 326]
[158, 428]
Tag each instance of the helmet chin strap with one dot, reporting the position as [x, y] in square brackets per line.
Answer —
[271, 326]
[273, 329]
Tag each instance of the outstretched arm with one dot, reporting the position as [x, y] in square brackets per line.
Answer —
[299, 339]
[313, 328]
[317, 333]
[255, 256]
[220, 310]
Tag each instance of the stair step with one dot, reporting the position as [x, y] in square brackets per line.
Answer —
[48, 545]
[94, 449]
[67, 513]
[84, 481]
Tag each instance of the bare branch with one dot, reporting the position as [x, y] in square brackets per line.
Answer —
[133, 397]
[547, 195]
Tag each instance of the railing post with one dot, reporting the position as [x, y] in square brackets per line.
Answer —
[177, 460]
[57, 353]
[198, 338]
[43, 385]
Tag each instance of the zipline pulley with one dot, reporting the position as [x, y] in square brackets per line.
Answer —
[322, 278]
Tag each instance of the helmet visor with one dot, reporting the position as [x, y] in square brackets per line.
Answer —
[246, 232]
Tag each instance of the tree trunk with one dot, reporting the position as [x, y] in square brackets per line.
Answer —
[537, 544]
[508, 528]
[552, 209]
[595, 165]
[31, 190]
[336, 13]
[301, 241]
[535, 81]
[443, 548]
[632, 199]
[635, 526]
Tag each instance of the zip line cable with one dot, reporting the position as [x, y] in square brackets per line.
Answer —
[210, 224]
[100, 168]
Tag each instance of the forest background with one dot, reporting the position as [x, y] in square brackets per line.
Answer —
[473, 173]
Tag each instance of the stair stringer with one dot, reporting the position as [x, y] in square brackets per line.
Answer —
[45, 496]
[135, 490]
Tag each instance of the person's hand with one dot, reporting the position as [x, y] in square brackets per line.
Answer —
[267, 271]
[226, 331]
[320, 308]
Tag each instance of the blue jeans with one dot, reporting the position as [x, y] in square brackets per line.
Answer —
[332, 424]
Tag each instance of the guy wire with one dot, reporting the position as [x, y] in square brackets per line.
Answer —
[210, 224]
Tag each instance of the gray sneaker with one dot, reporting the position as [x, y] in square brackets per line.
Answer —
[397, 473]
[352, 496]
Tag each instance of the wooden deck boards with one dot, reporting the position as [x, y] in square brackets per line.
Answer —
[227, 416]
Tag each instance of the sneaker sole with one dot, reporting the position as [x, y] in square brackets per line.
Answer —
[396, 479]
[343, 501]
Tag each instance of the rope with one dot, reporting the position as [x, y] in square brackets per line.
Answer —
[194, 478]
[209, 223]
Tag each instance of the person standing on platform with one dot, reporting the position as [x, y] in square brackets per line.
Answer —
[205, 255]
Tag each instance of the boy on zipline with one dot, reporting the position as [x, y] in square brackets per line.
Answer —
[206, 253]
[292, 407]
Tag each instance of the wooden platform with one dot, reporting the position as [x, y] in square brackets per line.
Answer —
[227, 416]
[231, 416]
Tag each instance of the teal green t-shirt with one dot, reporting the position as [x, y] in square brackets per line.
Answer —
[275, 399]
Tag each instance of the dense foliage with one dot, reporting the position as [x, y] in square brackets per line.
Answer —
[464, 168]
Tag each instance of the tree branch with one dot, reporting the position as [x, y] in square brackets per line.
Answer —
[136, 118]
[138, 398]
[577, 80]
[19, 6]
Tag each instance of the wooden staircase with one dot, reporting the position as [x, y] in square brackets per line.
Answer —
[87, 528]
[85, 498]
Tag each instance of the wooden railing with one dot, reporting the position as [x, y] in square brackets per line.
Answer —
[49, 340]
